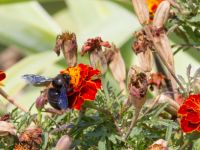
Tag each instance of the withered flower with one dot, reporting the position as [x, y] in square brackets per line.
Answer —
[5, 117]
[159, 145]
[116, 65]
[156, 79]
[142, 46]
[68, 44]
[64, 143]
[97, 58]
[138, 86]
[31, 136]
[24, 146]
[7, 128]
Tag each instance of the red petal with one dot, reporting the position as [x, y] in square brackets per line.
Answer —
[188, 126]
[2, 75]
[79, 102]
[193, 117]
[89, 91]
[183, 110]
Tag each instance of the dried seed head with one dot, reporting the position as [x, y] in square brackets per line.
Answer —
[141, 42]
[146, 60]
[159, 145]
[7, 128]
[67, 42]
[138, 83]
[64, 143]
[32, 136]
[141, 10]
[94, 44]
[116, 65]
[97, 57]
[162, 14]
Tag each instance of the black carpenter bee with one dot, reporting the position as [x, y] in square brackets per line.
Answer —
[57, 91]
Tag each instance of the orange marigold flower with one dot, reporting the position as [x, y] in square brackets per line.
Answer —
[24, 146]
[189, 113]
[2, 76]
[84, 83]
[152, 6]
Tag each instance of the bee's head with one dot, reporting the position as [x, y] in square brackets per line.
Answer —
[60, 80]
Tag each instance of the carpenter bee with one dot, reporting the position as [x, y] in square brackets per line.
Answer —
[57, 88]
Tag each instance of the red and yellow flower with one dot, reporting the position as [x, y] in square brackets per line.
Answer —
[2, 77]
[189, 113]
[84, 83]
[152, 5]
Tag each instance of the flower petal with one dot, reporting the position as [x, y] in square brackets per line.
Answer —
[188, 126]
[2, 75]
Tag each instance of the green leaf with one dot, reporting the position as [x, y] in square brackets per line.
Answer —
[45, 140]
[196, 145]
[168, 133]
[102, 144]
[27, 25]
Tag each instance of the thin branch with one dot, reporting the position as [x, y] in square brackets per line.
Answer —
[12, 101]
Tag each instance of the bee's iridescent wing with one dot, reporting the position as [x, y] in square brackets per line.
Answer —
[63, 99]
[37, 80]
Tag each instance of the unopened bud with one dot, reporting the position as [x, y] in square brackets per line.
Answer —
[7, 128]
[41, 100]
[162, 14]
[64, 143]
[116, 65]
[146, 60]
[141, 10]
[67, 42]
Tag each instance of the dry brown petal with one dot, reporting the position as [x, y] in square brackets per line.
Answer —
[64, 143]
[31, 136]
[68, 44]
[5, 117]
[159, 145]
[141, 10]
[7, 128]
[156, 79]
[162, 14]
[25, 146]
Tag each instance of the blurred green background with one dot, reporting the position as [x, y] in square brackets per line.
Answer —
[28, 30]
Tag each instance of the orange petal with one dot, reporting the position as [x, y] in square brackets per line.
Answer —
[188, 126]
[193, 117]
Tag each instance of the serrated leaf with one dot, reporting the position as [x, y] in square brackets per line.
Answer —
[189, 71]
[181, 79]
[168, 133]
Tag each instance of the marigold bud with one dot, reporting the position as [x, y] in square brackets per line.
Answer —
[162, 14]
[146, 60]
[67, 42]
[141, 10]
[41, 100]
[64, 143]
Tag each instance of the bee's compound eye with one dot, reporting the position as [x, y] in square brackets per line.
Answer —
[53, 93]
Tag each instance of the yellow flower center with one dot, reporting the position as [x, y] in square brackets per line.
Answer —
[153, 4]
[74, 73]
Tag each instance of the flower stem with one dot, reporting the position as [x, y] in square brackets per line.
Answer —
[11, 100]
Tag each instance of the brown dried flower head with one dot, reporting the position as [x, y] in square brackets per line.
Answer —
[156, 79]
[94, 44]
[97, 57]
[24, 146]
[68, 44]
[5, 117]
[138, 83]
[141, 43]
[32, 136]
